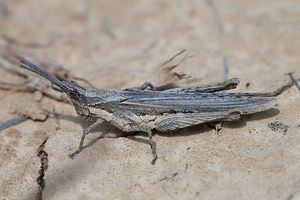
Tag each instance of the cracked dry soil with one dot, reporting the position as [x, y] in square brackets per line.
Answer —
[42, 154]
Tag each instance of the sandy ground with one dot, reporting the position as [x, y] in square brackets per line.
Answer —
[120, 44]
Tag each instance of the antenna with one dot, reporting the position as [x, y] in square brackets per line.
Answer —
[29, 66]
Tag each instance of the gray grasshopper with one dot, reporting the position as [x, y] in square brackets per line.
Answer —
[133, 110]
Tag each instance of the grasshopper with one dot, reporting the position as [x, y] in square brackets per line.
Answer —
[133, 110]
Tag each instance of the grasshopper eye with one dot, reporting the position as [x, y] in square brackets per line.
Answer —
[74, 93]
[74, 82]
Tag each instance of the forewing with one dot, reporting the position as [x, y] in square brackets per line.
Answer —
[153, 102]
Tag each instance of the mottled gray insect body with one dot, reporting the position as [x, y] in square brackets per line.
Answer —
[139, 110]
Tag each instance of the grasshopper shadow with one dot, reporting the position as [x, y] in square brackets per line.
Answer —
[76, 119]
[252, 117]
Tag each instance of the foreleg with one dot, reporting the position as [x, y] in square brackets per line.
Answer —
[85, 132]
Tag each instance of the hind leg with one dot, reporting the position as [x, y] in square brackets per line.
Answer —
[153, 147]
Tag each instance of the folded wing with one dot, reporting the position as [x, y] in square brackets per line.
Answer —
[153, 102]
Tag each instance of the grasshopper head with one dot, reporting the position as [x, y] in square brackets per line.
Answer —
[77, 95]
[74, 91]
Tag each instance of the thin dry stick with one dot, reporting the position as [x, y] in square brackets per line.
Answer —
[220, 24]
[12, 122]
[294, 81]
